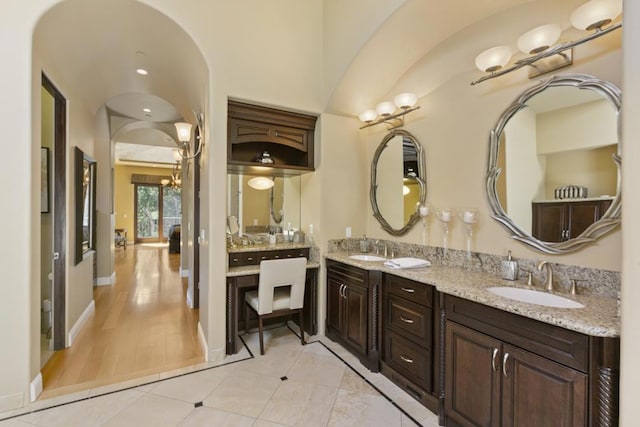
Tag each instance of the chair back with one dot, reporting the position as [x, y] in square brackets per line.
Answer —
[281, 272]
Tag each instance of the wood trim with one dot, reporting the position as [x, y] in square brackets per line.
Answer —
[59, 213]
[196, 225]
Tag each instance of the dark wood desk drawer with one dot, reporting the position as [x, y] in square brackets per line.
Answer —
[408, 359]
[413, 291]
[409, 319]
[238, 259]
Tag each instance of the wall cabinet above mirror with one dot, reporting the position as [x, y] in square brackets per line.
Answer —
[398, 182]
[261, 138]
[553, 176]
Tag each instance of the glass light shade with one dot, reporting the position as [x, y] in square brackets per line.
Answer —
[595, 14]
[539, 39]
[405, 190]
[493, 59]
[184, 131]
[405, 100]
[368, 116]
[164, 182]
[385, 108]
[261, 183]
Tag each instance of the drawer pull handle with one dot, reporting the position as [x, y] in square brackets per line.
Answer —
[406, 359]
[409, 290]
[250, 259]
[235, 260]
[289, 256]
[505, 359]
[277, 257]
[405, 320]
[493, 359]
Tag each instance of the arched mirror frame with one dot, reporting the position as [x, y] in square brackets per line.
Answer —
[420, 179]
[611, 218]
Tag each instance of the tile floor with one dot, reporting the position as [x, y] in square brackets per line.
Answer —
[320, 384]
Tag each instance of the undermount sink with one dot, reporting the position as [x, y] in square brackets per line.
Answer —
[534, 297]
[365, 257]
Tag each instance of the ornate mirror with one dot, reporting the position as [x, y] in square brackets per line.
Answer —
[398, 182]
[553, 175]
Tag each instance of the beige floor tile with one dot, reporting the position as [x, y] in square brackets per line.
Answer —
[300, 404]
[15, 423]
[264, 423]
[91, 412]
[317, 369]
[244, 393]
[189, 388]
[355, 409]
[207, 417]
[152, 411]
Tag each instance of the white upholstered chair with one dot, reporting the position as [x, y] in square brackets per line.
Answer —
[280, 292]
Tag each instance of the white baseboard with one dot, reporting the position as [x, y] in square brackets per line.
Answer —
[189, 297]
[217, 355]
[11, 401]
[36, 387]
[184, 273]
[75, 330]
[105, 281]
[203, 343]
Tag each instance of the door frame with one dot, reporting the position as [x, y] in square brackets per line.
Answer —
[160, 237]
[196, 225]
[59, 213]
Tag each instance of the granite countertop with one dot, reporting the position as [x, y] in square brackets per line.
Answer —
[598, 317]
[248, 270]
[267, 247]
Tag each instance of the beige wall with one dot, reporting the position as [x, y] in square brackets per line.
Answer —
[124, 211]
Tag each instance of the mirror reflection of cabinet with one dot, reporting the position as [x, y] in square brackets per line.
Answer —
[563, 132]
[261, 211]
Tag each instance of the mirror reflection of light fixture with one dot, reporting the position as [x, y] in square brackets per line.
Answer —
[183, 131]
[591, 16]
[176, 177]
[261, 183]
[385, 112]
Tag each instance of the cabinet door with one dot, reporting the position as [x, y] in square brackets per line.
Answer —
[549, 221]
[472, 382]
[355, 316]
[334, 304]
[582, 215]
[539, 392]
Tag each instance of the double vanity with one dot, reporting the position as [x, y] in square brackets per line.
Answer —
[474, 357]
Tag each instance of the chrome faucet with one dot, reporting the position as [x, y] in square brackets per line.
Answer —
[548, 284]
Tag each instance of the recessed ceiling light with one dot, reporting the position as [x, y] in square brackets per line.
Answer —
[146, 110]
[142, 71]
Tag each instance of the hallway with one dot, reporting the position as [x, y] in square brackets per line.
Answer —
[141, 326]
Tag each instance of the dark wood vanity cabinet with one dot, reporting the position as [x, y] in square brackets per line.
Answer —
[352, 313]
[252, 130]
[409, 337]
[564, 220]
[240, 259]
[502, 369]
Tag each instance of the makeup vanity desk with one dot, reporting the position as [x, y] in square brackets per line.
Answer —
[243, 271]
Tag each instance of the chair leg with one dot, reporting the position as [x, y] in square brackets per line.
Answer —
[246, 318]
[260, 331]
[301, 327]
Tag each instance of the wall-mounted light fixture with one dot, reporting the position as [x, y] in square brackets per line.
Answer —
[539, 42]
[176, 177]
[183, 131]
[261, 183]
[385, 112]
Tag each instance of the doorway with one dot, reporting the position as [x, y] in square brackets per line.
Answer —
[55, 260]
[157, 209]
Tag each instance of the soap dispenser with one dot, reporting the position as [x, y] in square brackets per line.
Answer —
[509, 268]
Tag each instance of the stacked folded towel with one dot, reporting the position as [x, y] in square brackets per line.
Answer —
[402, 263]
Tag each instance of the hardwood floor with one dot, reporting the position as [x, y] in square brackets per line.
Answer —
[141, 326]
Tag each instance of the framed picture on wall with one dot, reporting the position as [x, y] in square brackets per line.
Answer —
[44, 180]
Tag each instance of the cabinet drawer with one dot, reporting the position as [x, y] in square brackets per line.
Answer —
[408, 359]
[295, 253]
[238, 259]
[409, 319]
[413, 291]
[346, 273]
